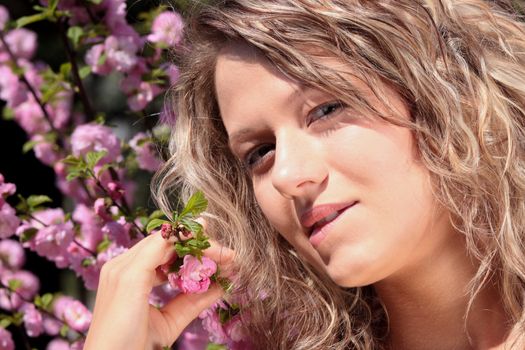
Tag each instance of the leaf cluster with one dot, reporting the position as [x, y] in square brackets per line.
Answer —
[185, 221]
[83, 168]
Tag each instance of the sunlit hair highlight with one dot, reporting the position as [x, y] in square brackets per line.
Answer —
[458, 65]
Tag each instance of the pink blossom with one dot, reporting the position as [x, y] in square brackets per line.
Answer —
[121, 52]
[12, 254]
[51, 325]
[145, 93]
[115, 190]
[9, 222]
[94, 137]
[53, 236]
[118, 231]
[194, 275]
[78, 13]
[112, 251]
[45, 151]
[212, 324]
[59, 108]
[162, 294]
[166, 29]
[90, 226]
[146, 154]
[235, 329]
[21, 42]
[90, 272]
[96, 59]
[77, 345]
[194, 337]
[73, 312]
[30, 117]
[4, 17]
[100, 209]
[11, 89]
[10, 301]
[173, 73]
[6, 340]
[6, 188]
[58, 344]
[28, 286]
[115, 19]
[77, 316]
[32, 320]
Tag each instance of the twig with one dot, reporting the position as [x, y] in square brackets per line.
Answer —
[71, 54]
[29, 86]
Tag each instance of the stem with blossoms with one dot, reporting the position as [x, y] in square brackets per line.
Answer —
[40, 308]
[95, 169]
[27, 84]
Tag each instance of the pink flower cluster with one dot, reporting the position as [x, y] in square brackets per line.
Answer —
[8, 219]
[193, 276]
[232, 332]
[17, 290]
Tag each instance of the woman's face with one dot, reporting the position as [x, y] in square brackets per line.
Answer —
[347, 192]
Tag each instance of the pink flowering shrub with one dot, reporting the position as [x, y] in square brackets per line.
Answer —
[99, 169]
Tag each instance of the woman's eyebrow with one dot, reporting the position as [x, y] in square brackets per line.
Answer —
[239, 136]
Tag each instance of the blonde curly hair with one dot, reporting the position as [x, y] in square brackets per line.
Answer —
[460, 67]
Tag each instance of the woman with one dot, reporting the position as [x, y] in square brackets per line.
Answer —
[370, 153]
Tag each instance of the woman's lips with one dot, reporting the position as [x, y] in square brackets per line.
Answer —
[322, 227]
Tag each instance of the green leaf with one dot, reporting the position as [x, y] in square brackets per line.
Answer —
[72, 160]
[34, 201]
[28, 146]
[102, 59]
[103, 245]
[191, 225]
[50, 91]
[96, 2]
[47, 300]
[75, 174]
[23, 21]
[92, 158]
[155, 223]
[88, 262]
[74, 34]
[64, 330]
[14, 284]
[84, 71]
[181, 250]
[8, 114]
[65, 69]
[18, 318]
[157, 214]
[195, 205]
[52, 4]
[5, 321]
[28, 234]
[213, 346]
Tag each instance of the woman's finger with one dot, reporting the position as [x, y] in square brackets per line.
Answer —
[184, 308]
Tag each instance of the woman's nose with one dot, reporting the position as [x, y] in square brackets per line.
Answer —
[299, 166]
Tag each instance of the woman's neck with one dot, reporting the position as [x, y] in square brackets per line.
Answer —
[427, 305]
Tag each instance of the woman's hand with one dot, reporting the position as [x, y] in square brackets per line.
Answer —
[122, 317]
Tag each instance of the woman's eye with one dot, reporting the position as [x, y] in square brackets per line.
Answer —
[255, 157]
[325, 111]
